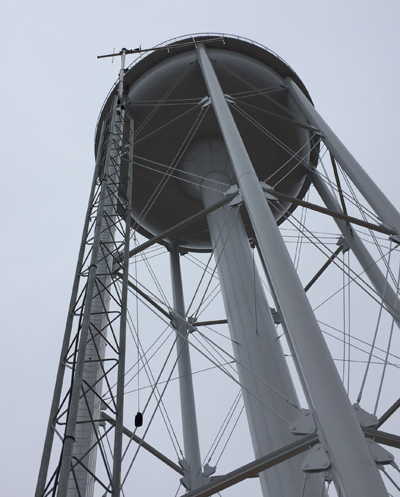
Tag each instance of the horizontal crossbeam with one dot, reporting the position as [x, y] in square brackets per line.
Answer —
[382, 437]
[187, 222]
[254, 468]
[211, 323]
[339, 215]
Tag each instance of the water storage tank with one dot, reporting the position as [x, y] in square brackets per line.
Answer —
[166, 95]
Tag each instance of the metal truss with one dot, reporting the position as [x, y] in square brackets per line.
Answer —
[88, 378]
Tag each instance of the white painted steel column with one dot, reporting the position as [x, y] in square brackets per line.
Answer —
[374, 196]
[193, 473]
[338, 427]
[371, 269]
[258, 352]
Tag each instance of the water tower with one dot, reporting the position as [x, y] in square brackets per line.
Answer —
[206, 145]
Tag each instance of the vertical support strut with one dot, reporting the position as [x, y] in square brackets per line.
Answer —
[119, 418]
[337, 424]
[374, 196]
[193, 474]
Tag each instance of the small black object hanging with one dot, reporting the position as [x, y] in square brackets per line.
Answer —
[138, 419]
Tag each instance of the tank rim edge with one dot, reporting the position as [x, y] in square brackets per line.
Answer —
[180, 39]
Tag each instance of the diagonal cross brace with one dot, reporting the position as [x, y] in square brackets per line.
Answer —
[145, 445]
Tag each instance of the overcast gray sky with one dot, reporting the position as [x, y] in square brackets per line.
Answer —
[346, 52]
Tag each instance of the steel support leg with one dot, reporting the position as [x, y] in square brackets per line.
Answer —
[261, 365]
[194, 477]
[338, 427]
[373, 195]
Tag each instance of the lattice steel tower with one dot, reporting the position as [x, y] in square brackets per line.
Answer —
[204, 144]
